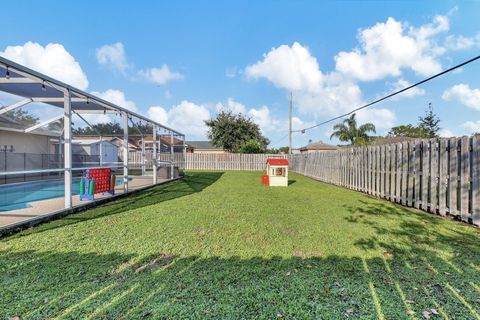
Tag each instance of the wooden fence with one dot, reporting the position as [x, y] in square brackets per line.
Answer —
[228, 161]
[198, 161]
[439, 176]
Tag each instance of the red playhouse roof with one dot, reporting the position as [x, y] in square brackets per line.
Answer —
[277, 162]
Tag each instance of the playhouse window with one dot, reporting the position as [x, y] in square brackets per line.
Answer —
[280, 172]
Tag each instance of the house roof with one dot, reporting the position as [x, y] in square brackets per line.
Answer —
[319, 145]
[6, 121]
[11, 125]
[204, 145]
[277, 162]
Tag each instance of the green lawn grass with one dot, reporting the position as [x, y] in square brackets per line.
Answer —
[220, 245]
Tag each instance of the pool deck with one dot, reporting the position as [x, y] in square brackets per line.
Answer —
[43, 208]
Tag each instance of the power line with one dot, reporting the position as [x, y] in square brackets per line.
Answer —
[390, 95]
[281, 139]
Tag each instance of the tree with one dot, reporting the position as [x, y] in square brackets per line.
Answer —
[22, 117]
[100, 128]
[407, 131]
[231, 131]
[251, 146]
[284, 150]
[145, 128]
[348, 131]
[429, 123]
[56, 125]
[427, 127]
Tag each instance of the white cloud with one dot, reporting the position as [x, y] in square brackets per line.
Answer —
[463, 94]
[472, 126]
[265, 120]
[117, 97]
[93, 119]
[298, 124]
[387, 48]
[459, 42]
[114, 96]
[382, 118]
[160, 75]
[315, 94]
[113, 55]
[333, 98]
[53, 60]
[402, 84]
[186, 117]
[231, 105]
[446, 133]
[158, 114]
[291, 68]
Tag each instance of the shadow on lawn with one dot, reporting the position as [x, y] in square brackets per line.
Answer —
[116, 286]
[415, 266]
[443, 260]
[193, 182]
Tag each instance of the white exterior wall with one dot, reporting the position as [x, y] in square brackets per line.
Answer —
[24, 142]
[109, 150]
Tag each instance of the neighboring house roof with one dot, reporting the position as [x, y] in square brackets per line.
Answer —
[5, 121]
[277, 162]
[11, 125]
[319, 145]
[203, 145]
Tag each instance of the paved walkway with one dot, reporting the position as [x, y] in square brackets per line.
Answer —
[45, 207]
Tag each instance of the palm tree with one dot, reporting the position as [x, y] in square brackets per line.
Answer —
[348, 131]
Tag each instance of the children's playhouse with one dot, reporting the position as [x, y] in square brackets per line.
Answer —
[277, 173]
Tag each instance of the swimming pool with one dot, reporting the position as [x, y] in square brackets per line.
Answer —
[18, 195]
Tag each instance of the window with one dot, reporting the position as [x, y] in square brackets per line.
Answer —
[280, 172]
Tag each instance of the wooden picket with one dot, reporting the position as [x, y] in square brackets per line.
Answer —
[442, 180]
[453, 177]
[464, 178]
[476, 180]
[425, 174]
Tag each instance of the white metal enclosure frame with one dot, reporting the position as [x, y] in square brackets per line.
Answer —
[36, 87]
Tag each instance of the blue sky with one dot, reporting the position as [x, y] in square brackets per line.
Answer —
[180, 62]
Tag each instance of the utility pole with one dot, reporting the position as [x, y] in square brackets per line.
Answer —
[290, 150]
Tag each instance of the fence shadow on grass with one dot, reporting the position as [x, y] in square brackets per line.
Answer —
[444, 260]
[112, 286]
[193, 182]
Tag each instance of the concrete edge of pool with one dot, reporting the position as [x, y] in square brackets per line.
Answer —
[16, 227]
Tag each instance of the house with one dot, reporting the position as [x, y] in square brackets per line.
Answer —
[14, 139]
[92, 147]
[318, 146]
[204, 147]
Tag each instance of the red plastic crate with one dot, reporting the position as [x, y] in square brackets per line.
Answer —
[265, 180]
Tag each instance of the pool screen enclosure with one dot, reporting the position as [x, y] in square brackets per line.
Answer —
[34, 87]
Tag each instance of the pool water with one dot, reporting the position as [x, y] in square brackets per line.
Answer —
[18, 195]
